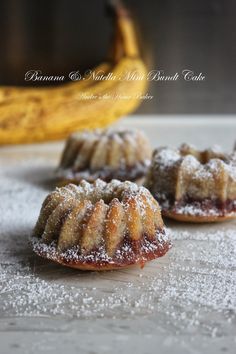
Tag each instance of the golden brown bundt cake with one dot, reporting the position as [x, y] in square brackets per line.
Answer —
[100, 226]
[105, 154]
[192, 185]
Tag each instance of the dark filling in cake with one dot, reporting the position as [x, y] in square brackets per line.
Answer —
[128, 253]
[205, 207]
[123, 173]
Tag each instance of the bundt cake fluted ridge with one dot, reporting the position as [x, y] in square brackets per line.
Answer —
[105, 154]
[193, 185]
[100, 226]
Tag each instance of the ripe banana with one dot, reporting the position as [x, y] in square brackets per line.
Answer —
[39, 114]
[61, 91]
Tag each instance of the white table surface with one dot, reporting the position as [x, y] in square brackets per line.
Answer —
[182, 303]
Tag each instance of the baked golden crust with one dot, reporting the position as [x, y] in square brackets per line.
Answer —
[192, 185]
[105, 154]
[100, 226]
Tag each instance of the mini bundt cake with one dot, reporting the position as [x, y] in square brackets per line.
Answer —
[100, 226]
[192, 185]
[105, 154]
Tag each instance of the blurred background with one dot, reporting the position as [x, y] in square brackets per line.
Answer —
[59, 36]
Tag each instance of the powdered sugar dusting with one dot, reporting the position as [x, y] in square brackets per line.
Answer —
[166, 157]
[189, 182]
[124, 254]
[128, 195]
[192, 288]
[196, 210]
[105, 154]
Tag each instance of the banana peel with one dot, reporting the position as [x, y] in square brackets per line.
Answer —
[30, 115]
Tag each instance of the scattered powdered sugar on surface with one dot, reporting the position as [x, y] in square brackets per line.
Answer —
[192, 287]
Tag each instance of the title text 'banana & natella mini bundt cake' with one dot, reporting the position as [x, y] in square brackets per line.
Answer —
[100, 226]
[192, 185]
[105, 154]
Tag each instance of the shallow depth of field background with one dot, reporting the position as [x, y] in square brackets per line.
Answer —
[58, 36]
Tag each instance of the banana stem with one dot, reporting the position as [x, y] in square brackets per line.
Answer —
[125, 28]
